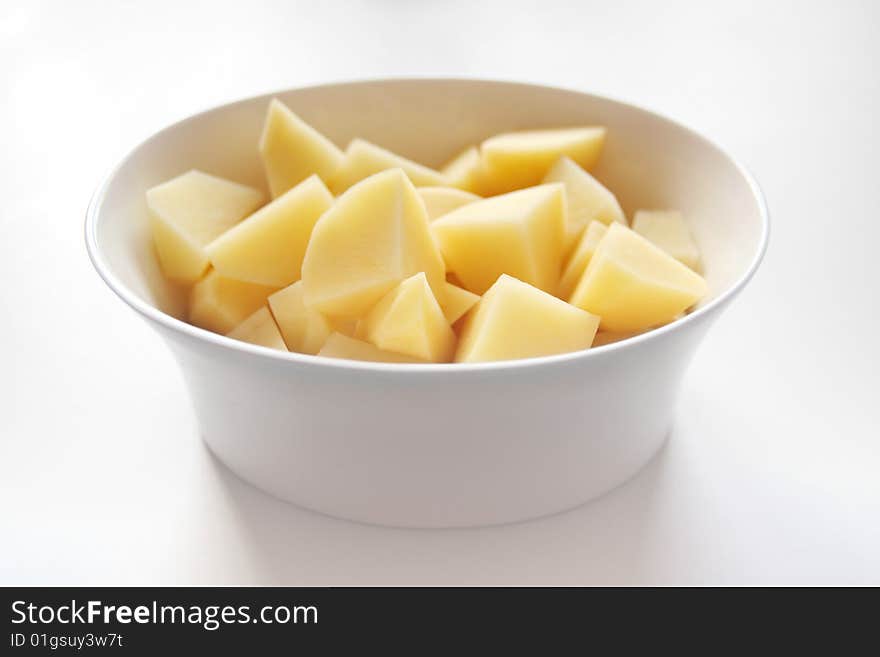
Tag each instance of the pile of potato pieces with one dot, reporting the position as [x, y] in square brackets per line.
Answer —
[512, 250]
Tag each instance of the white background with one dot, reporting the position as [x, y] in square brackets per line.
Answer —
[772, 473]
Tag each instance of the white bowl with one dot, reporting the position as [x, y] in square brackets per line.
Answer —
[436, 445]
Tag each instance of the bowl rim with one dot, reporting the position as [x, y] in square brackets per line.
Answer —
[162, 318]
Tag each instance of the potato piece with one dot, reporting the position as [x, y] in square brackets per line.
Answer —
[457, 302]
[259, 329]
[345, 325]
[515, 160]
[580, 258]
[465, 171]
[188, 212]
[268, 247]
[442, 200]
[220, 304]
[588, 199]
[668, 230]
[292, 150]
[452, 279]
[363, 159]
[634, 285]
[374, 236]
[342, 346]
[304, 329]
[409, 321]
[519, 233]
[516, 320]
[610, 337]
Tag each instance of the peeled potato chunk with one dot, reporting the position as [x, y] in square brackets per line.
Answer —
[374, 236]
[515, 160]
[516, 320]
[609, 337]
[268, 247]
[188, 212]
[519, 233]
[588, 199]
[580, 258]
[363, 159]
[292, 150]
[220, 304]
[259, 329]
[668, 230]
[442, 200]
[304, 329]
[634, 285]
[409, 321]
[342, 346]
[465, 171]
[457, 301]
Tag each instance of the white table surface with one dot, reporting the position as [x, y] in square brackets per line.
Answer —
[772, 473]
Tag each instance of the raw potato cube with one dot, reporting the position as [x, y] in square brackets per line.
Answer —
[515, 320]
[521, 159]
[374, 236]
[342, 346]
[452, 279]
[259, 329]
[363, 159]
[580, 258]
[220, 304]
[519, 233]
[292, 150]
[409, 321]
[588, 199]
[442, 200]
[268, 247]
[609, 337]
[188, 212]
[633, 285]
[667, 229]
[465, 171]
[457, 302]
[304, 329]
[345, 325]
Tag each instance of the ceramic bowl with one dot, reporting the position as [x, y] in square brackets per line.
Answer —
[436, 445]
